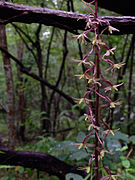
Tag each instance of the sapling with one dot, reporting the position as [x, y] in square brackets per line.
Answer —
[98, 87]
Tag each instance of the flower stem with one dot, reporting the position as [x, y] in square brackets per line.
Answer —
[97, 117]
[97, 96]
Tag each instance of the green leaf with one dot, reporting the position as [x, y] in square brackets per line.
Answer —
[131, 170]
[78, 155]
[1, 152]
[80, 137]
[132, 139]
[73, 176]
[123, 157]
[4, 178]
[65, 145]
[12, 178]
[62, 157]
[126, 163]
[122, 136]
[5, 166]
[122, 149]
[21, 170]
[113, 144]
[130, 176]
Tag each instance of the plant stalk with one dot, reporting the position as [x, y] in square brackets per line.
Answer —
[97, 97]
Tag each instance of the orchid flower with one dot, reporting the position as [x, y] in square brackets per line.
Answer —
[86, 168]
[115, 103]
[113, 87]
[116, 66]
[81, 37]
[93, 126]
[90, 63]
[111, 29]
[110, 51]
[94, 80]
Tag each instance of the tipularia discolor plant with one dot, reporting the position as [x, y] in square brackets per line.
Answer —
[99, 88]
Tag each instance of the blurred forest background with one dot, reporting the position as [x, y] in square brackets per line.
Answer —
[47, 117]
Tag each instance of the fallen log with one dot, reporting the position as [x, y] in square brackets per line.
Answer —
[39, 161]
[70, 21]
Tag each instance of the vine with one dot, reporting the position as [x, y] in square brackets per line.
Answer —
[99, 88]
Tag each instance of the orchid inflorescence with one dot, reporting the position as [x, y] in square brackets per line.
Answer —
[95, 80]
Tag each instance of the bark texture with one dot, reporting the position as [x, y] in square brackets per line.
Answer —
[10, 88]
[69, 21]
[39, 161]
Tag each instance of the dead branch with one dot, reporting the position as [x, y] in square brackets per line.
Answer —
[69, 21]
[39, 161]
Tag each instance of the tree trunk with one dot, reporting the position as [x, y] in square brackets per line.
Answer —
[21, 99]
[45, 122]
[10, 88]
